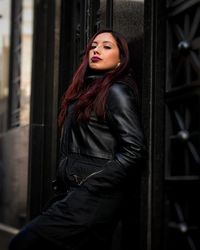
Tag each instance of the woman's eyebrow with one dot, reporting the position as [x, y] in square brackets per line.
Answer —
[103, 42]
[108, 42]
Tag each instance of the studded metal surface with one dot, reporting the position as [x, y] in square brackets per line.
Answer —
[182, 153]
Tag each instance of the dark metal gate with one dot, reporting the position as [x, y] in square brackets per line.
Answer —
[182, 132]
[171, 112]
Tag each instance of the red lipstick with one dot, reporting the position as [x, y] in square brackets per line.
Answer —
[95, 59]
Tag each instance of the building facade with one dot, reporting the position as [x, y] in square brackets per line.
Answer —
[41, 44]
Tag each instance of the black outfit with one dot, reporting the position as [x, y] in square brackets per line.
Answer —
[98, 157]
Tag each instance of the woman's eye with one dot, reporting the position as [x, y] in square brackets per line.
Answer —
[93, 46]
[107, 47]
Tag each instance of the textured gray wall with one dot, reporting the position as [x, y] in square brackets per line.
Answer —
[13, 176]
[129, 21]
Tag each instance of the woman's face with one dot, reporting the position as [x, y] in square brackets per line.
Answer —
[104, 53]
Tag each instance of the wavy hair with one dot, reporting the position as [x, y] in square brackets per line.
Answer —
[93, 98]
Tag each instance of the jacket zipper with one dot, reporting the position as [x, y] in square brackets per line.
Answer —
[94, 173]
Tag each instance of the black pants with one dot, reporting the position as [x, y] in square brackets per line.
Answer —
[79, 221]
[27, 239]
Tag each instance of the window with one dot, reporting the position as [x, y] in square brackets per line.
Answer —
[4, 60]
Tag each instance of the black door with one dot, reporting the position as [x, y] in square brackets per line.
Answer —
[171, 91]
[80, 20]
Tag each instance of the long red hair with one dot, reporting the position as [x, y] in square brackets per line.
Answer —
[93, 98]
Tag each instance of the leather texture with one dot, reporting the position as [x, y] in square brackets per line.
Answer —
[118, 139]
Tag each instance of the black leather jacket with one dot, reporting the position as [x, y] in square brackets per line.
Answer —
[118, 140]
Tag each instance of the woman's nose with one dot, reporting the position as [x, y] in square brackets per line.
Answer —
[97, 50]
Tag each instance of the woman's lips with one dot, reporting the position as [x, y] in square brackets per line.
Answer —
[95, 59]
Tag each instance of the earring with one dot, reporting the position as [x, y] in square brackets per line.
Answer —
[118, 64]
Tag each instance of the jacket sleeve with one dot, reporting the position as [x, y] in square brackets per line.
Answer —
[124, 123]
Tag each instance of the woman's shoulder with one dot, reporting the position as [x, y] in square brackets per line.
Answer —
[120, 96]
[119, 86]
[123, 93]
[119, 90]
[123, 87]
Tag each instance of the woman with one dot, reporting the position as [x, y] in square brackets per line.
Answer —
[101, 151]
